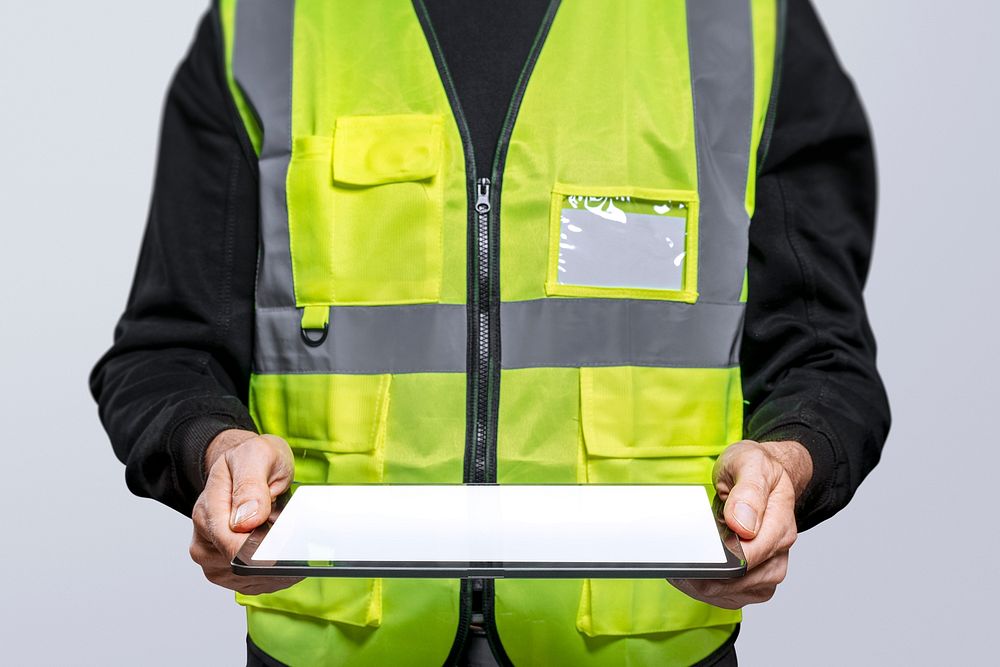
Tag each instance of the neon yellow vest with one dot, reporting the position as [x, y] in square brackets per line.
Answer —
[569, 313]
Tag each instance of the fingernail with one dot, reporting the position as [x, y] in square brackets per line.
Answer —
[746, 516]
[247, 510]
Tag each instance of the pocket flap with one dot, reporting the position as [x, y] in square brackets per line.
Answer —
[372, 150]
[631, 412]
[621, 608]
[339, 414]
[356, 602]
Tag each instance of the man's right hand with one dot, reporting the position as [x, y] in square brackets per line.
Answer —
[246, 472]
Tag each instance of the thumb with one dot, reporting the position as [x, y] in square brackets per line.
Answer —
[250, 465]
[753, 475]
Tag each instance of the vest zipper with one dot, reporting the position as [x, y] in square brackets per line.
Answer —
[488, 249]
[466, 589]
[483, 306]
[483, 352]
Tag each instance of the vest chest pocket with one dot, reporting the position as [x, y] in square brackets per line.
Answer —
[365, 212]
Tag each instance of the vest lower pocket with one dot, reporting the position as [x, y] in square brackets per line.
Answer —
[639, 414]
[356, 602]
[365, 212]
[615, 607]
[335, 424]
[657, 425]
[653, 425]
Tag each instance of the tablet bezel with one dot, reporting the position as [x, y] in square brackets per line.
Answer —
[734, 566]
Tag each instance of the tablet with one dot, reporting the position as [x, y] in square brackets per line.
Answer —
[494, 531]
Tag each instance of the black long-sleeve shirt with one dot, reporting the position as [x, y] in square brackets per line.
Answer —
[178, 371]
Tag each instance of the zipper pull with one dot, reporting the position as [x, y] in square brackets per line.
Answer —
[483, 195]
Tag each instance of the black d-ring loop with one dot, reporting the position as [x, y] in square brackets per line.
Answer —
[315, 342]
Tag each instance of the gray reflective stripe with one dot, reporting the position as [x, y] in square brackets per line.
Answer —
[618, 332]
[431, 338]
[720, 39]
[365, 339]
[262, 65]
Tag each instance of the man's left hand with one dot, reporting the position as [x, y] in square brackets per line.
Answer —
[758, 484]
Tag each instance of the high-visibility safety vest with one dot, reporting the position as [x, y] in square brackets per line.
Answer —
[566, 311]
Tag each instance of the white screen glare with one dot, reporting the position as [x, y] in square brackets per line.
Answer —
[503, 523]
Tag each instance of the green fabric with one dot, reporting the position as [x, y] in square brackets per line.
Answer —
[374, 150]
[610, 102]
[419, 619]
[630, 132]
[612, 426]
[377, 197]
[341, 430]
[765, 20]
[650, 413]
[352, 200]
[376, 187]
[315, 317]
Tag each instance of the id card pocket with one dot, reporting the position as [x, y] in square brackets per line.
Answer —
[623, 243]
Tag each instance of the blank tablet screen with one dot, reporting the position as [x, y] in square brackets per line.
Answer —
[496, 523]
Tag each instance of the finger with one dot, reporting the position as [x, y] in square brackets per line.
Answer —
[742, 599]
[218, 570]
[251, 466]
[756, 586]
[213, 561]
[714, 594]
[754, 476]
[213, 509]
[261, 585]
[275, 512]
[771, 571]
[690, 588]
[222, 575]
[777, 530]
[201, 550]
[283, 469]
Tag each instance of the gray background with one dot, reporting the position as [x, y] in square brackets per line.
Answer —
[905, 575]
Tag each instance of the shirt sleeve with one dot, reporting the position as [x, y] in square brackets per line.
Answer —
[177, 373]
[808, 353]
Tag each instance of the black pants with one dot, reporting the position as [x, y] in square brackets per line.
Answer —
[477, 654]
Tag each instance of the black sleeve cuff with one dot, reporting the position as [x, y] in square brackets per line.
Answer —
[813, 505]
[189, 439]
